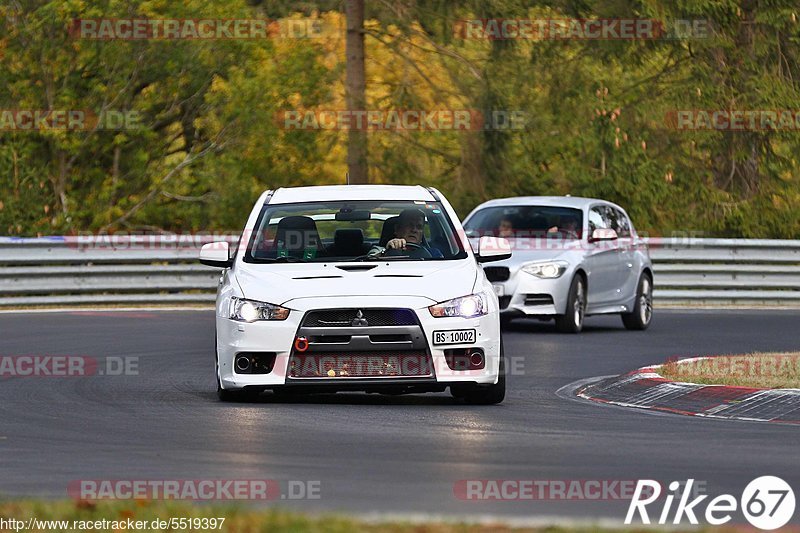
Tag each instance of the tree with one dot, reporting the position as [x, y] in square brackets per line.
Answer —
[355, 90]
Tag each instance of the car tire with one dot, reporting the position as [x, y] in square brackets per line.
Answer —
[226, 395]
[572, 320]
[236, 395]
[283, 394]
[505, 321]
[490, 395]
[642, 314]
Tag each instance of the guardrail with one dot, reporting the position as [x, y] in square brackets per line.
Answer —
[726, 271]
[107, 270]
[143, 270]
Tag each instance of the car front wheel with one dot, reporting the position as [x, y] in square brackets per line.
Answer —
[642, 314]
[572, 320]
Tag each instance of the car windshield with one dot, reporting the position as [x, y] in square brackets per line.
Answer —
[526, 221]
[353, 231]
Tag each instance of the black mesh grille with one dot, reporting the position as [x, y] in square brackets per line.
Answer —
[381, 364]
[348, 317]
[497, 273]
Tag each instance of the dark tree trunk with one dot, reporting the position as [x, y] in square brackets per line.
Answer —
[355, 90]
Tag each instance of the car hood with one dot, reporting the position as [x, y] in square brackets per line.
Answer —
[280, 284]
[525, 250]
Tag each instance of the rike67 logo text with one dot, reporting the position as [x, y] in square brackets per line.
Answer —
[767, 502]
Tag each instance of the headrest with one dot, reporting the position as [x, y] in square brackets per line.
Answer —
[297, 233]
[387, 232]
[348, 239]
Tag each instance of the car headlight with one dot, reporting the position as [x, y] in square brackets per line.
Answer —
[243, 310]
[464, 307]
[546, 269]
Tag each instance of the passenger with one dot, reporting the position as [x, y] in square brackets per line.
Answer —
[506, 228]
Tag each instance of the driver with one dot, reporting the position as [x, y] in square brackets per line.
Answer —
[568, 225]
[408, 235]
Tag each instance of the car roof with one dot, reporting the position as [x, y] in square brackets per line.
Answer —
[576, 202]
[324, 193]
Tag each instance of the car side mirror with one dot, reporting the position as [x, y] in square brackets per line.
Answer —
[603, 234]
[216, 254]
[493, 249]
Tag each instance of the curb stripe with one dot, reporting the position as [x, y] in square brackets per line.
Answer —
[645, 388]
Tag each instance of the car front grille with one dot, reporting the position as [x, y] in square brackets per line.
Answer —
[497, 273]
[343, 365]
[341, 344]
[328, 318]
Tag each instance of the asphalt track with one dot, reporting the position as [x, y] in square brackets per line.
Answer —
[374, 453]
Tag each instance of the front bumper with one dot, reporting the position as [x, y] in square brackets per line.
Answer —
[523, 294]
[279, 337]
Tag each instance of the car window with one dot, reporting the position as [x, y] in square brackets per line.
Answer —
[343, 231]
[519, 221]
[623, 225]
[598, 218]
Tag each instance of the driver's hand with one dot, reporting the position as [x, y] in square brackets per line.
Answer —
[396, 244]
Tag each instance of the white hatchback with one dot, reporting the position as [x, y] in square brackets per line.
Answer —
[361, 287]
[573, 257]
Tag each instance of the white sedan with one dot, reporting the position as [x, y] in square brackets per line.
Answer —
[364, 287]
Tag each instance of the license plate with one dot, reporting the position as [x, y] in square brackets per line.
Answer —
[499, 290]
[454, 336]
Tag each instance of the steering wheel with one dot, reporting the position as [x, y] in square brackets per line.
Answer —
[419, 251]
[411, 249]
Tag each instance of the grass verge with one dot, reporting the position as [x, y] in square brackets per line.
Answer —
[758, 370]
[243, 519]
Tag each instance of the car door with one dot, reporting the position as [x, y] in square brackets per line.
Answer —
[602, 260]
[629, 269]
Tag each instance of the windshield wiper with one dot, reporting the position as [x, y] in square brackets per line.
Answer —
[284, 259]
[373, 255]
[377, 254]
[385, 258]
